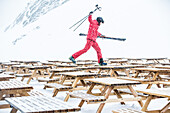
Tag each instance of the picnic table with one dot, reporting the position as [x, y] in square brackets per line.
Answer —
[118, 62]
[153, 73]
[155, 60]
[65, 65]
[39, 104]
[163, 92]
[85, 61]
[116, 58]
[20, 68]
[86, 64]
[14, 87]
[8, 65]
[109, 85]
[135, 59]
[59, 61]
[40, 69]
[74, 77]
[33, 63]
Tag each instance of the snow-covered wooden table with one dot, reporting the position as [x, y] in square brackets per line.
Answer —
[14, 87]
[160, 92]
[109, 85]
[37, 104]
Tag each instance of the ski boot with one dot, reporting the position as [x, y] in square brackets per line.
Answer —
[72, 59]
[102, 63]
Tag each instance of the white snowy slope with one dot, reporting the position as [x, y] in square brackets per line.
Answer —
[41, 30]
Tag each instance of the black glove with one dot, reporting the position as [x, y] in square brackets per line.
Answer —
[91, 13]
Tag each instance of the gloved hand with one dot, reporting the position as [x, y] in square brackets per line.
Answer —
[91, 13]
[102, 35]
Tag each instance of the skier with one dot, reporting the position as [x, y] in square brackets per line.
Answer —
[91, 40]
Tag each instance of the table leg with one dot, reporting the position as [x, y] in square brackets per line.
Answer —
[118, 95]
[164, 109]
[63, 79]
[1, 95]
[90, 88]
[13, 110]
[136, 75]
[31, 77]
[106, 97]
[127, 73]
[104, 90]
[48, 72]
[73, 85]
[88, 92]
[144, 108]
[52, 75]
[154, 78]
[135, 94]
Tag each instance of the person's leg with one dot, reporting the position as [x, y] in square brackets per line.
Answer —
[98, 50]
[99, 53]
[84, 50]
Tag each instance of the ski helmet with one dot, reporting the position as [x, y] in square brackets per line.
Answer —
[100, 19]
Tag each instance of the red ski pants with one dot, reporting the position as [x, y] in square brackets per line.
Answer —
[89, 43]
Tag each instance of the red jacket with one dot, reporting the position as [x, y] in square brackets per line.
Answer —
[93, 27]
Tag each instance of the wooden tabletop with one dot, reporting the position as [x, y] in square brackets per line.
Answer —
[61, 70]
[155, 58]
[65, 65]
[43, 104]
[10, 63]
[163, 67]
[118, 61]
[80, 74]
[152, 69]
[136, 79]
[37, 67]
[27, 62]
[163, 92]
[21, 66]
[116, 58]
[112, 81]
[13, 84]
[59, 61]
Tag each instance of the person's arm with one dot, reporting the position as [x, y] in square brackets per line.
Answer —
[98, 34]
[90, 17]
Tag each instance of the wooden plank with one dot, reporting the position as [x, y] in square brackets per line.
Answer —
[86, 97]
[112, 81]
[161, 92]
[40, 104]
[127, 110]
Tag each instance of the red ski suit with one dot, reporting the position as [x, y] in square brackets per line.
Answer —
[91, 40]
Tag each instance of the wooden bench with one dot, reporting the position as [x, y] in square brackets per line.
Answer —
[48, 80]
[127, 110]
[4, 104]
[23, 76]
[57, 88]
[4, 77]
[126, 91]
[35, 93]
[86, 97]
[10, 73]
[39, 104]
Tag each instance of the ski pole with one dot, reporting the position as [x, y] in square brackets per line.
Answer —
[83, 19]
